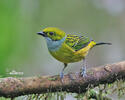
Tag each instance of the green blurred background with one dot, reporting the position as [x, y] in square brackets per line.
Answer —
[24, 53]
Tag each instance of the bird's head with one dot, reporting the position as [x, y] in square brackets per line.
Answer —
[53, 33]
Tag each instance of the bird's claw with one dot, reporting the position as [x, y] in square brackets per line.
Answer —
[61, 75]
[83, 73]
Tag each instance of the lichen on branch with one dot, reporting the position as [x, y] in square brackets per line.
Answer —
[13, 87]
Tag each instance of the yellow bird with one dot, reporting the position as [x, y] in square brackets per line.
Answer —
[67, 48]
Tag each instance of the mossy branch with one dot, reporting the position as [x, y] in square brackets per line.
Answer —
[13, 87]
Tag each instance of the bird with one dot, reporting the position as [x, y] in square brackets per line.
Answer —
[68, 48]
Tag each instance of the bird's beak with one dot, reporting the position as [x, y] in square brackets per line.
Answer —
[42, 33]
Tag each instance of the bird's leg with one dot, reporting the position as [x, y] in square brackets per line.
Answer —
[83, 73]
[61, 74]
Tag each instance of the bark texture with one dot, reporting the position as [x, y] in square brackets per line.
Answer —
[75, 83]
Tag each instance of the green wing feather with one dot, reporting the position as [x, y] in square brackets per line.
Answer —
[77, 42]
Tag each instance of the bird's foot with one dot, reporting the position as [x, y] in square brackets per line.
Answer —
[83, 73]
[61, 75]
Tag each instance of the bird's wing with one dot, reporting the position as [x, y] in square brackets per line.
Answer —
[77, 42]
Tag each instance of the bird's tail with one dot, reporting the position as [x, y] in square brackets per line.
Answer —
[102, 43]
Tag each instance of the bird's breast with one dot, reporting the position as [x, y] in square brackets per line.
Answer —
[66, 54]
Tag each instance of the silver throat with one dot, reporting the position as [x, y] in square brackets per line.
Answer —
[54, 45]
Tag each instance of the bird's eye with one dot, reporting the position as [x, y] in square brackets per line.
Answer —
[51, 33]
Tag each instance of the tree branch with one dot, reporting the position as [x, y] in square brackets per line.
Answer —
[13, 87]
